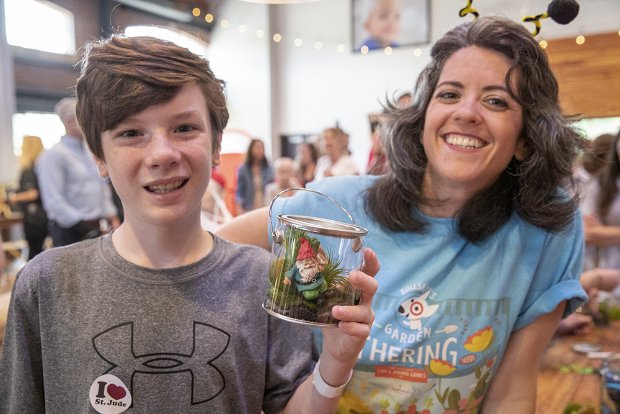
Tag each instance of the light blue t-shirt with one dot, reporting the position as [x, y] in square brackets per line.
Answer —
[445, 307]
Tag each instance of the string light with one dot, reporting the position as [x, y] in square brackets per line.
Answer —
[340, 48]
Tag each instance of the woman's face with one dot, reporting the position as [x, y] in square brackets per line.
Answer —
[472, 126]
[334, 145]
[305, 157]
[258, 151]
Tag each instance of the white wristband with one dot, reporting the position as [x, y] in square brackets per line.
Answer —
[324, 388]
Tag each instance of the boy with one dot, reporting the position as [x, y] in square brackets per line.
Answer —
[161, 316]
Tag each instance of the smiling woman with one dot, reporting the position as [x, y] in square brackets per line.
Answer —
[479, 242]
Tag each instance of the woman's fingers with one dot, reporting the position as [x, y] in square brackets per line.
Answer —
[371, 263]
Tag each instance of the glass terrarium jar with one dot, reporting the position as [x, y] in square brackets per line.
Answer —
[311, 259]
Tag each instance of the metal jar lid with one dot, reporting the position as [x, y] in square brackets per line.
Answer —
[323, 226]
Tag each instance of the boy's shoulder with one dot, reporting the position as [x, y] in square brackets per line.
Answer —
[57, 262]
[239, 252]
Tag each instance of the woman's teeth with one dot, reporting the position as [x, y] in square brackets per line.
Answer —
[465, 142]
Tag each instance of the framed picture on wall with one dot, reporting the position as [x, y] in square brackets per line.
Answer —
[377, 24]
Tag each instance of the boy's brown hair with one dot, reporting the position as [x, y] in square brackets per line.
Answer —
[122, 76]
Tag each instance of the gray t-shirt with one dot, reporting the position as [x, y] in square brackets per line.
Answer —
[87, 329]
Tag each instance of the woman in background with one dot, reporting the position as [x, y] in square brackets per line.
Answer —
[601, 211]
[307, 157]
[27, 197]
[337, 159]
[252, 178]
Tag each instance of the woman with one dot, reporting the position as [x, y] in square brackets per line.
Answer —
[28, 198]
[307, 157]
[252, 178]
[480, 247]
[337, 159]
[601, 209]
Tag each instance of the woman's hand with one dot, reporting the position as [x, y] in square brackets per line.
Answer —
[342, 346]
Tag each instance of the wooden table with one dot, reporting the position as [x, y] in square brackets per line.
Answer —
[6, 223]
[556, 389]
[12, 248]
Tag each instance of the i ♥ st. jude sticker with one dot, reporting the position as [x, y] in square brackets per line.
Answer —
[108, 395]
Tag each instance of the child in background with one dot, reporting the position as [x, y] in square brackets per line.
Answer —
[382, 23]
[285, 178]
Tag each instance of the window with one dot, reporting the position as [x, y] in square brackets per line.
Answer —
[25, 18]
[47, 126]
[593, 127]
[179, 37]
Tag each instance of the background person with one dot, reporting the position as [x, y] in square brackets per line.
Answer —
[28, 198]
[403, 100]
[601, 210]
[306, 160]
[478, 264]
[337, 159]
[285, 178]
[595, 282]
[75, 198]
[377, 161]
[252, 178]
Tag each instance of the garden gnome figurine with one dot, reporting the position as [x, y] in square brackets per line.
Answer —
[306, 274]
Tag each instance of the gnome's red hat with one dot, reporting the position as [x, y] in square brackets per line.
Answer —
[305, 250]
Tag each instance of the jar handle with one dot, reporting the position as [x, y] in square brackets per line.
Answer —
[278, 237]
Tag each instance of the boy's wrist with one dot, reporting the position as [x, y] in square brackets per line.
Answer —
[325, 389]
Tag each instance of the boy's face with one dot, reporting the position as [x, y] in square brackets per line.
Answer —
[160, 159]
[383, 23]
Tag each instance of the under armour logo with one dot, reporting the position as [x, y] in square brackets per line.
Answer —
[116, 347]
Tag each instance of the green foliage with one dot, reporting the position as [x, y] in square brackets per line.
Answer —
[610, 312]
[285, 299]
[576, 408]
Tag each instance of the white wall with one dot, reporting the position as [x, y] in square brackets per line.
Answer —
[312, 89]
[242, 60]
